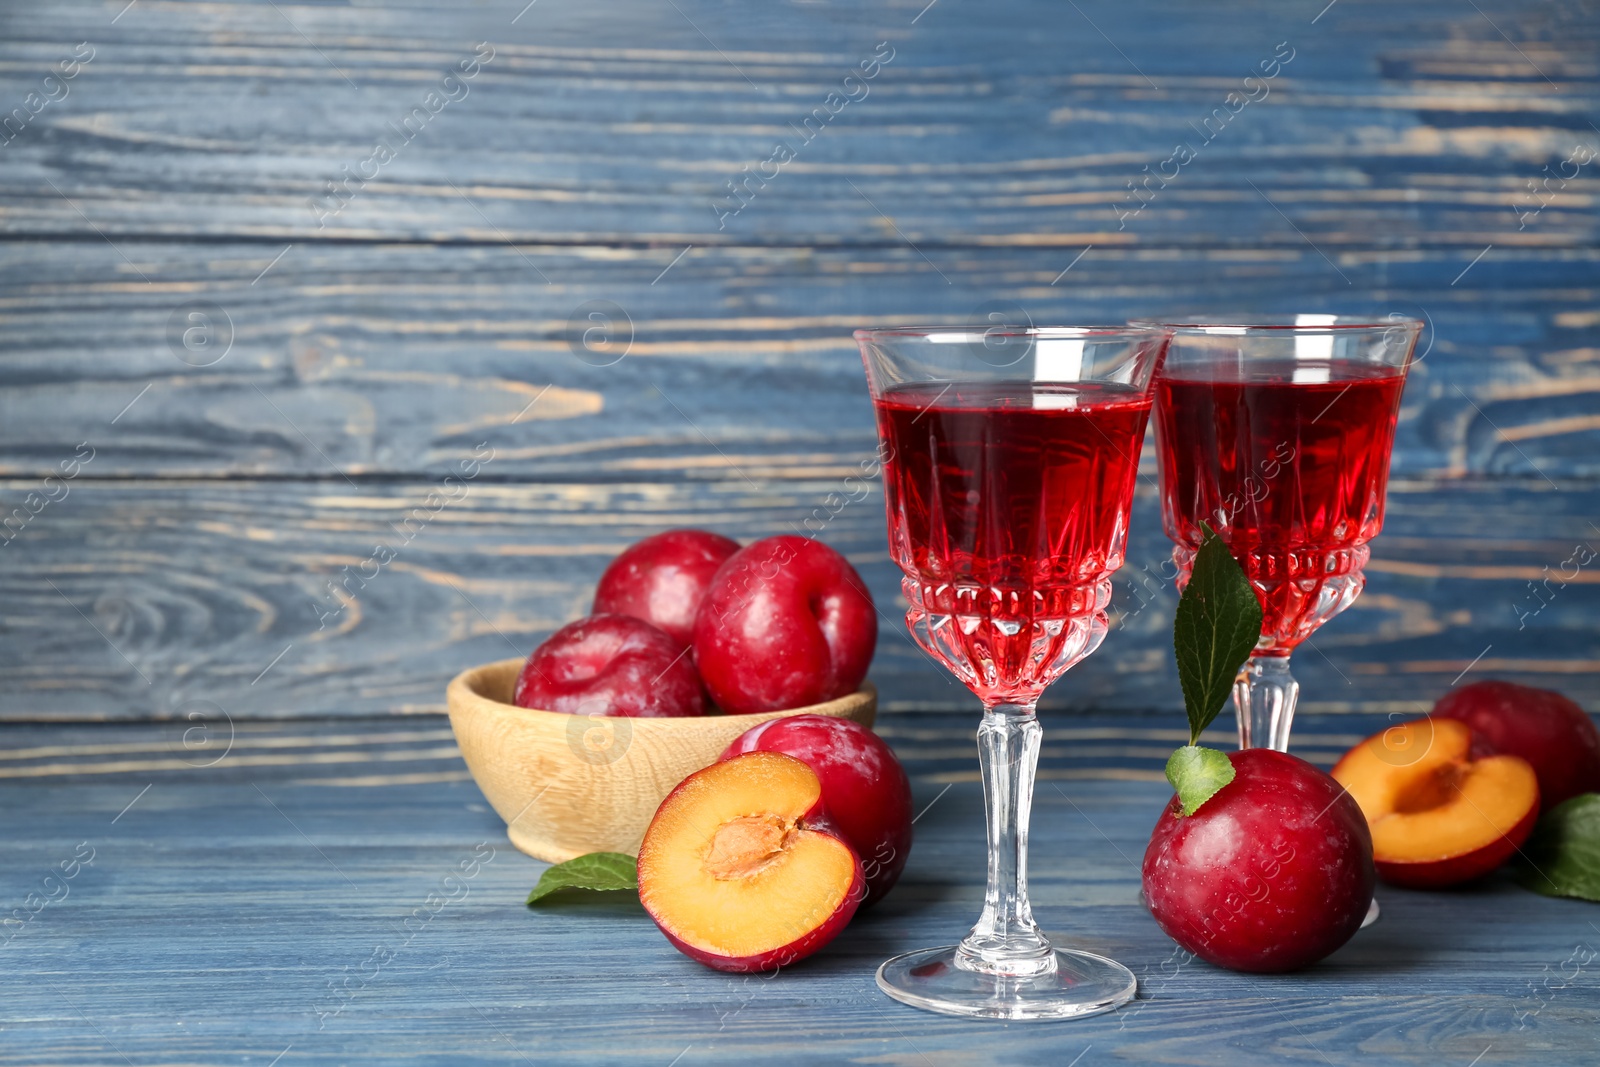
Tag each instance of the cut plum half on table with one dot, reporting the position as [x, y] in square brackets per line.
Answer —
[740, 868]
[1438, 815]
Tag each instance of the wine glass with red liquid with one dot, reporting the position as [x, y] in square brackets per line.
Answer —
[1277, 435]
[1009, 463]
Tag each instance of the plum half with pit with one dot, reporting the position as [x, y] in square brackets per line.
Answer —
[741, 868]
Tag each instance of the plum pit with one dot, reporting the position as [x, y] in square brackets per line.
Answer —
[748, 845]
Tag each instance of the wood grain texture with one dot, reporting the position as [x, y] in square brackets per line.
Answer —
[376, 347]
[399, 360]
[238, 912]
[1393, 126]
[129, 600]
[421, 749]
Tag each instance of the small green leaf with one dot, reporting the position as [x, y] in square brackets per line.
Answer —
[1216, 627]
[1562, 858]
[598, 871]
[1197, 773]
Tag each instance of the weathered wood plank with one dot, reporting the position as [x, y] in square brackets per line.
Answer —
[398, 360]
[421, 749]
[229, 910]
[1396, 126]
[132, 599]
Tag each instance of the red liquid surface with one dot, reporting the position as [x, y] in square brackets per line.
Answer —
[1290, 473]
[1008, 511]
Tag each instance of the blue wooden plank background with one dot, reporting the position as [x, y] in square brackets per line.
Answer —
[269, 272]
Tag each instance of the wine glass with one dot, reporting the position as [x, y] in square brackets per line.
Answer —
[1278, 435]
[1010, 459]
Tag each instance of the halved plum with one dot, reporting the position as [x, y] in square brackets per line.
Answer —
[1439, 816]
[742, 871]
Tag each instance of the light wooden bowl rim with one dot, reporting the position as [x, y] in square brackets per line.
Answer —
[470, 691]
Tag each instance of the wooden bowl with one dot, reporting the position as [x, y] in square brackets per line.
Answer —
[571, 784]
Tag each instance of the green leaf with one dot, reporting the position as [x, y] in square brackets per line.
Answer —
[598, 871]
[1216, 627]
[1197, 773]
[1562, 858]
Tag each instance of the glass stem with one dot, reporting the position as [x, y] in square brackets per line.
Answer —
[1264, 696]
[1006, 940]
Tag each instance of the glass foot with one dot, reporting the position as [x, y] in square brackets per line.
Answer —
[1081, 984]
[1373, 911]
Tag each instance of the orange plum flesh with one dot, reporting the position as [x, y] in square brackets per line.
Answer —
[1438, 816]
[741, 869]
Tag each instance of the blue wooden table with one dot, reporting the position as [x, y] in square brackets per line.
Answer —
[329, 894]
[271, 272]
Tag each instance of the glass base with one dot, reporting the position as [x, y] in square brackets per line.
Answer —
[1373, 911]
[1081, 984]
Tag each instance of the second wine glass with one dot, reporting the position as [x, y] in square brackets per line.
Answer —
[1277, 434]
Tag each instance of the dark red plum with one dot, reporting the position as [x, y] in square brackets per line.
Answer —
[1272, 873]
[610, 665]
[663, 578]
[786, 623]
